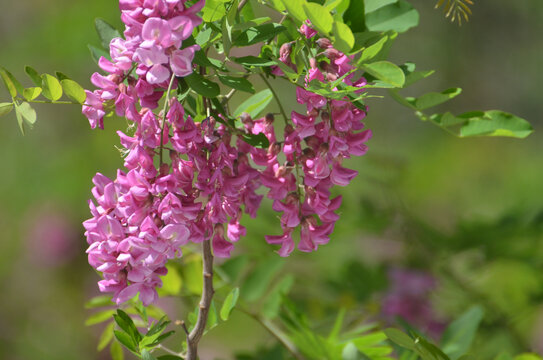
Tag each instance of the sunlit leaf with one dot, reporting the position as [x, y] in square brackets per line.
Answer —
[229, 303]
[51, 87]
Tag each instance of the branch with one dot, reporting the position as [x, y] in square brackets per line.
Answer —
[205, 303]
[164, 111]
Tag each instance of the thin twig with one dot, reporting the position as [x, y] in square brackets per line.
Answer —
[242, 4]
[274, 331]
[281, 109]
[164, 111]
[205, 302]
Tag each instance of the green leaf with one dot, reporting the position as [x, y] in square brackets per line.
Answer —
[31, 93]
[227, 25]
[158, 327]
[432, 99]
[126, 340]
[295, 9]
[252, 61]
[259, 279]
[399, 16]
[73, 90]
[169, 357]
[372, 5]
[106, 336]
[258, 34]
[255, 104]
[459, 335]
[97, 53]
[20, 119]
[354, 16]
[5, 108]
[28, 114]
[229, 303]
[51, 87]
[337, 325]
[106, 32]
[496, 123]
[386, 72]
[237, 83]
[171, 282]
[373, 50]
[212, 318]
[126, 323]
[259, 141]
[162, 337]
[146, 355]
[33, 75]
[214, 10]
[11, 83]
[99, 301]
[99, 317]
[344, 38]
[400, 338]
[203, 86]
[116, 351]
[428, 351]
[321, 19]
[61, 76]
[528, 356]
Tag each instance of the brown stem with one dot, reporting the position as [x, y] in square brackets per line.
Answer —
[205, 303]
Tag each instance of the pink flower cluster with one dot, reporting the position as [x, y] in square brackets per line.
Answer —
[154, 33]
[315, 146]
[209, 177]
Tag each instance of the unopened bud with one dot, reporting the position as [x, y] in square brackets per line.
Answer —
[324, 43]
[269, 118]
[332, 53]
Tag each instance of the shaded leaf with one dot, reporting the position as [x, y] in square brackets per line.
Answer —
[126, 340]
[146, 355]
[252, 61]
[496, 123]
[203, 86]
[237, 83]
[258, 34]
[400, 338]
[432, 99]
[97, 53]
[106, 32]
[33, 75]
[11, 83]
[99, 301]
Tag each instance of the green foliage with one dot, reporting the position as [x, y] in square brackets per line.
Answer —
[229, 303]
[106, 32]
[459, 335]
[255, 104]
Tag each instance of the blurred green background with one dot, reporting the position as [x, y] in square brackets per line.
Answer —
[468, 212]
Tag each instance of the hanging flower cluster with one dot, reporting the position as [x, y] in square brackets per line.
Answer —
[143, 217]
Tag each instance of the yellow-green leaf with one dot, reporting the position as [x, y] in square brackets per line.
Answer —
[321, 19]
[387, 72]
[73, 90]
[51, 87]
[344, 38]
[5, 108]
[31, 93]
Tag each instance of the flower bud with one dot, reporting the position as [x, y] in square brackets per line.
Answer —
[324, 43]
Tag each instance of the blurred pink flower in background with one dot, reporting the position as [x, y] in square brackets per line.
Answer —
[408, 297]
[50, 237]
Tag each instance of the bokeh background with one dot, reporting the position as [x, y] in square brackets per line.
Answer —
[433, 224]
